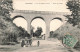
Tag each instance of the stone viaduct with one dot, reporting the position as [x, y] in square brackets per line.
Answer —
[29, 16]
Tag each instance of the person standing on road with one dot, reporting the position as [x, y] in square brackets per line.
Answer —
[44, 36]
[38, 43]
[22, 43]
[26, 39]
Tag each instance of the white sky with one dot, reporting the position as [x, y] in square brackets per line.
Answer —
[48, 5]
[55, 24]
[21, 22]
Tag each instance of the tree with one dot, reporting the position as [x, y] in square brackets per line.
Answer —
[23, 33]
[38, 32]
[74, 8]
[6, 7]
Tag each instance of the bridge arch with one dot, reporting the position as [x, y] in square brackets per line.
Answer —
[38, 17]
[57, 21]
[57, 18]
[41, 23]
[20, 21]
[18, 16]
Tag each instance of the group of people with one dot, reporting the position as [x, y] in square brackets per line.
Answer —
[27, 41]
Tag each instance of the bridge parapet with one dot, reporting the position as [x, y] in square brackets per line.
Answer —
[41, 12]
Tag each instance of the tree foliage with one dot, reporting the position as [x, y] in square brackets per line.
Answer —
[38, 32]
[6, 7]
[9, 32]
[23, 33]
[74, 8]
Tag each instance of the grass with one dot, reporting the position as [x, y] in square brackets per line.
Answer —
[9, 48]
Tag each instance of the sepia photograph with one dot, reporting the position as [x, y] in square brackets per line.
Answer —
[39, 25]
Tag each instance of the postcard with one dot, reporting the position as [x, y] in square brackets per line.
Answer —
[39, 25]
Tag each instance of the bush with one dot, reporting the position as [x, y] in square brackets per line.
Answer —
[55, 35]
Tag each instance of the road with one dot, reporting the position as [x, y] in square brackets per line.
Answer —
[45, 46]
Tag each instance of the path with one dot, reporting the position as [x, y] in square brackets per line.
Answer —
[45, 46]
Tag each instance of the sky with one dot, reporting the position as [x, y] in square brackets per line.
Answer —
[20, 22]
[55, 24]
[40, 5]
